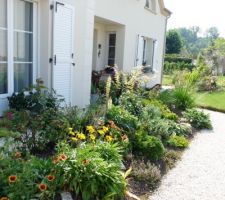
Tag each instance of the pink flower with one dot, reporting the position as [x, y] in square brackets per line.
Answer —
[9, 115]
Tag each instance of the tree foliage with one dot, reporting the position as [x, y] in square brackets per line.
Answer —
[173, 42]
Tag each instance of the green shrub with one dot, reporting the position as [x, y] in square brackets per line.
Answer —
[122, 118]
[178, 142]
[183, 98]
[198, 119]
[170, 158]
[207, 83]
[177, 58]
[150, 112]
[29, 173]
[165, 111]
[131, 102]
[163, 129]
[146, 172]
[149, 146]
[37, 99]
[91, 171]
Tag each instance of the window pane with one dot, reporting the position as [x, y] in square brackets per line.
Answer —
[111, 62]
[22, 76]
[112, 52]
[23, 15]
[112, 40]
[3, 45]
[3, 79]
[23, 47]
[3, 13]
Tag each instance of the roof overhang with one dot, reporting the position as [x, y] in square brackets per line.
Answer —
[164, 10]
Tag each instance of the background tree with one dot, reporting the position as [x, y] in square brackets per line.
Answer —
[173, 42]
[212, 33]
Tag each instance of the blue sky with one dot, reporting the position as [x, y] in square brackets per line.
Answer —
[202, 13]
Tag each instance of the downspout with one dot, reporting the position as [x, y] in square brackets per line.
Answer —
[164, 49]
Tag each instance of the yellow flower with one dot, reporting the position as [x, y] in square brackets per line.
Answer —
[74, 139]
[71, 133]
[109, 138]
[90, 129]
[101, 132]
[92, 137]
[70, 129]
[105, 129]
[81, 136]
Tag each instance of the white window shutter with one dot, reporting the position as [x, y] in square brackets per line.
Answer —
[140, 49]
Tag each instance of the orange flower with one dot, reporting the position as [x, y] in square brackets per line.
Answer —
[63, 157]
[56, 160]
[42, 187]
[51, 178]
[86, 162]
[125, 138]
[12, 178]
[17, 154]
[4, 198]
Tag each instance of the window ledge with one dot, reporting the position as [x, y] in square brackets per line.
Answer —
[150, 10]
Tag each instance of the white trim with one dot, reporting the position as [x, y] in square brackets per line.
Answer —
[3, 29]
[10, 45]
[22, 31]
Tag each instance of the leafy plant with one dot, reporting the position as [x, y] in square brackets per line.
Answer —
[165, 111]
[198, 119]
[122, 118]
[146, 172]
[170, 158]
[131, 102]
[149, 146]
[91, 171]
[35, 99]
[163, 129]
[183, 98]
[178, 142]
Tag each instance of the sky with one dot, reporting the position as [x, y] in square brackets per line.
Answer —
[202, 13]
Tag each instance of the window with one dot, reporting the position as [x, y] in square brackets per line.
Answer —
[3, 48]
[151, 4]
[23, 44]
[148, 52]
[16, 45]
[145, 52]
[112, 49]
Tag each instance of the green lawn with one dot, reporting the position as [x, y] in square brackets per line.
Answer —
[213, 100]
[167, 80]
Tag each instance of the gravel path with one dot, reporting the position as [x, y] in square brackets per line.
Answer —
[200, 175]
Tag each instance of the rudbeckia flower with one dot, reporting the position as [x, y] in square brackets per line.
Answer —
[12, 179]
[4, 198]
[63, 157]
[51, 178]
[42, 187]
[17, 154]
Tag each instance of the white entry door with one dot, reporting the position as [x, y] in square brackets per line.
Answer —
[63, 60]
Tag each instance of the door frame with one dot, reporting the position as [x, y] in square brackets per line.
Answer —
[60, 3]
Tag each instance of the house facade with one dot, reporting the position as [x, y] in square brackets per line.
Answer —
[63, 41]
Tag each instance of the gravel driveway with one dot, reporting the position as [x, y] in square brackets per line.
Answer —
[200, 175]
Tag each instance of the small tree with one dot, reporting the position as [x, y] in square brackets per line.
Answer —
[173, 42]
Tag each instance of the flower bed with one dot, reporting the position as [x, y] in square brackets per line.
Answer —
[90, 153]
